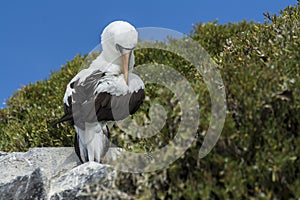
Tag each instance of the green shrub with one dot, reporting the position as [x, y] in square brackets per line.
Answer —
[26, 122]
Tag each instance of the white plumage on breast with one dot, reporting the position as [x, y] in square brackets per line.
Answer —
[115, 85]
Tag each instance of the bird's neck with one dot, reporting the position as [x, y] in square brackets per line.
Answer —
[111, 58]
[101, 63]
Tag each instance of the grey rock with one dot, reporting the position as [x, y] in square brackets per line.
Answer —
[70, 184]
[28, 186]
[50, 173]
[3, 153]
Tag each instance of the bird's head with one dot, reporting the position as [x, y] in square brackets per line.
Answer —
[118, 40]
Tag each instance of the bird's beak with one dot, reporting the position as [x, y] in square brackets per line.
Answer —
[125, 64]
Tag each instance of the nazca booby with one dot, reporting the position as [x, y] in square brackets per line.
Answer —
[107, 90]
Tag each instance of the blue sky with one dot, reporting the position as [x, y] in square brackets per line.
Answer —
[37, 37]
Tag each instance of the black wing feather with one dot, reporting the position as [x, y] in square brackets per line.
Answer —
[103, 106]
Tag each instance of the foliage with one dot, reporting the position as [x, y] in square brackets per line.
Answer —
[26, 122]
[257, 155]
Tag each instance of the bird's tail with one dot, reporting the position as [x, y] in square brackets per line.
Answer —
[66, 117]
[92, 143]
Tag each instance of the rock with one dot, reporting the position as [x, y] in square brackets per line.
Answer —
[70, 183]
[27, 186]
[3, 153]
[50, 173]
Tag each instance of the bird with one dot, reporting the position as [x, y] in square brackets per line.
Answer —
[107, 90]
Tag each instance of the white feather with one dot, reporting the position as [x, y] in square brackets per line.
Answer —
[93, 143]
